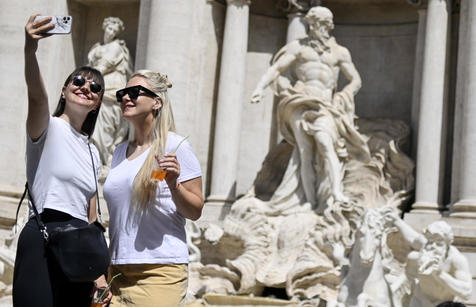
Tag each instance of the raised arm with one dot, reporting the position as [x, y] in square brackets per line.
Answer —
[289, 54]
[415, 239]
[38, 112]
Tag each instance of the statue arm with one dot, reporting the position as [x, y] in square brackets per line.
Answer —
[460, 282]
[108, 62]
[415, 239]
[350, 72]
[273, 72]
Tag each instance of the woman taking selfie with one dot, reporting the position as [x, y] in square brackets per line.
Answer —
[146, 216]
[60, 176]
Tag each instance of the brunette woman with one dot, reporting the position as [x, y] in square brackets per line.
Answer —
[60, 176]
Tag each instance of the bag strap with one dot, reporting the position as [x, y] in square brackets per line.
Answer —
[96, 182]
[19, 205]
[41, 225]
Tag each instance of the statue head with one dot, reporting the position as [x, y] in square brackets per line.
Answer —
[370, 234]
[320, 21]
[439, 230]
[439, 236]
[112, 26]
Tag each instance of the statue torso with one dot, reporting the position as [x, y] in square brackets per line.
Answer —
[317, 69]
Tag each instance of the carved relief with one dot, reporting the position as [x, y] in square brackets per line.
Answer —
[299, 236]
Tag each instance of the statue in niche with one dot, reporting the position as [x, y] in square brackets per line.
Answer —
[113, 60]
[297, 232]
[313, 117]
[438, 271]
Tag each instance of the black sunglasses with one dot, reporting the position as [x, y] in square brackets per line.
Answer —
[133, 92]
[80, 81]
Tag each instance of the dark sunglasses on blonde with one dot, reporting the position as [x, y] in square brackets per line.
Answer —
[133, 92]
[80, 81]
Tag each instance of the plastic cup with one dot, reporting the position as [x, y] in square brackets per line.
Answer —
[98, 297]
[158, 174]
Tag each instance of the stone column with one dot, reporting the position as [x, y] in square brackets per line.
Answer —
[164, 44]
[417, 74]
[296, 23]
[464, 163]
[296, 26]
[229, 106]
[429, 166]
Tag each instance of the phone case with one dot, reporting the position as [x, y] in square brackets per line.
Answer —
[62, 24]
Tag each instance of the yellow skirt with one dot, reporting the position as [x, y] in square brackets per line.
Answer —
[149, 285]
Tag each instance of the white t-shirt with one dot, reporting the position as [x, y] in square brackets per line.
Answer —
[60, 171]
[156, 236]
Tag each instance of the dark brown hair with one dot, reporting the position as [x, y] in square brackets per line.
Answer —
[90, 73]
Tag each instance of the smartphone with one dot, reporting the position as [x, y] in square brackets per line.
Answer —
[62, 24]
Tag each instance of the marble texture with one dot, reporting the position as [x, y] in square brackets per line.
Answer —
[386, 39]
[228, 117]
[464, 166]
[296, 236]
[112, 58]
[429, 170]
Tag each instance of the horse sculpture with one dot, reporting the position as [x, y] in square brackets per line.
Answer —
[369, 279]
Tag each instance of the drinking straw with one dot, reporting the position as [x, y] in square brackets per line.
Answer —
[108, 286]
[180, 144]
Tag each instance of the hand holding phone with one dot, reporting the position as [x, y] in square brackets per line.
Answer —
[62, 24]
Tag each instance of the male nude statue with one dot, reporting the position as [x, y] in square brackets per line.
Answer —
[314, 118]
[438, 270]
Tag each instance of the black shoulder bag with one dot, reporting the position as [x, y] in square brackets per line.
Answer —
[81, 252]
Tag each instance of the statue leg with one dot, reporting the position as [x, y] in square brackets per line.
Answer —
[307, 172]
[332, 165]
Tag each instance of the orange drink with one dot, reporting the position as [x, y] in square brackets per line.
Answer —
[158, 174]
[98, 296]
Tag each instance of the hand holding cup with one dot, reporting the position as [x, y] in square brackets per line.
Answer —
[168, 166]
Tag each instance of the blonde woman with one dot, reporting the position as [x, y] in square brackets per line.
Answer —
[147, 218]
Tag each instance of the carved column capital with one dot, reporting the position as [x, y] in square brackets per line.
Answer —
[238, 2]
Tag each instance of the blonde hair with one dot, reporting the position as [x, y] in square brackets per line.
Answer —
[144, 188]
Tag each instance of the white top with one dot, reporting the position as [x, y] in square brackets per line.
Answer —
[156, 236]
[59, 170]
